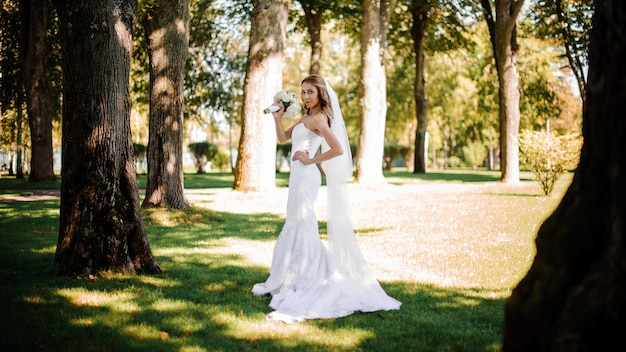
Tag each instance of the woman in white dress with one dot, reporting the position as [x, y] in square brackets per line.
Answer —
[308, 280]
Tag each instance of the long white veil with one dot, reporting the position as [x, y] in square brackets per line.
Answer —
[343, 246]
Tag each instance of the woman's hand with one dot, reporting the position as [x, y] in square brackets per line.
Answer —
[303, 156]
[281, 110]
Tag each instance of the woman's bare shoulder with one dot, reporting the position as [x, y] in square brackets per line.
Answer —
[319, 119]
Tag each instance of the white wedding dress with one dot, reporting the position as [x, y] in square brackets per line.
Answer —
[307, 280]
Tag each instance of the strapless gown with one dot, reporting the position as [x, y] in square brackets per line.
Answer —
[305, 282]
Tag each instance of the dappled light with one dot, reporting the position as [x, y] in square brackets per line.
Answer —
[451, 251]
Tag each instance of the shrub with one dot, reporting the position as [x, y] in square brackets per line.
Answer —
[202, 152]
[454, 162]
[221, 160]
[474, 154]
[139, 153]
[391, 153]
[548, 155]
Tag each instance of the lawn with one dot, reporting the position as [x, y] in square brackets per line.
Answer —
[451, 245]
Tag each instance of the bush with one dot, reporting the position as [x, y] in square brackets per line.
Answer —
[221, 160]
[454, 162]
[202, 152]
[391, 153]
[139, 153]
[548, 155]
[475, 153]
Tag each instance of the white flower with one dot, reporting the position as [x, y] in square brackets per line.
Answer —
[290, 102]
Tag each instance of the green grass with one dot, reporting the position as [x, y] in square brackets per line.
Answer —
[202, 301]
[192, 180]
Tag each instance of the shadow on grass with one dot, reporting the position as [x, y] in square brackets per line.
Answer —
[202, 301]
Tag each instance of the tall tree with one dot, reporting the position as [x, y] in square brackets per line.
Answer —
[420, 13]
[373, 91]
[314, 16]
[166, 25]
[101, 227]
[255, 168]
[573, 298]
[19, 137]
[39, 101]
[11, 82]
[502, 31]
[567, 22]
[447, 35]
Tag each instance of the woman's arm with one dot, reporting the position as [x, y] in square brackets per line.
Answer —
[319, 124]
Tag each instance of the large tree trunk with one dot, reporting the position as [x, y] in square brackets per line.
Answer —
[373, 93]
[37, 86]
[502, 31]
[101, 227]
[574, 295]
[418, 32]
[256, 161]
[167, 30]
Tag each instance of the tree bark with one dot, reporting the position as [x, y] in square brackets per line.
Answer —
[373, 94]
[255, 169]
[37, 86]
[573, 297]
[101, 227]
[418, 32]
[503, 39]
[314, 17]
[167, 31]
[19, 138]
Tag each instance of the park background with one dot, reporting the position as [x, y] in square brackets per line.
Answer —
[463, 115]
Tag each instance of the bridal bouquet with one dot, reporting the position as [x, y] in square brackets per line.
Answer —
[289, 101]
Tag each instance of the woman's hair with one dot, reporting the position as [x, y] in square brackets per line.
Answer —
[319, 82]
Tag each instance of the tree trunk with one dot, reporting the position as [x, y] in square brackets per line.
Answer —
[37, 85]
[101, 227]
[167, 32]
[19, 139]
[256, 161]
[503, 39]
[509, 95]
[373, 95]
[418, 31]
[313, 16]
[574, 297]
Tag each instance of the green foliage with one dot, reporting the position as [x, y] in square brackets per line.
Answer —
[221, 160]
[475, 153]
[139, 151]
[391, 153]
[549, 155]
[544, 22]
[454, 161]
[203, 152]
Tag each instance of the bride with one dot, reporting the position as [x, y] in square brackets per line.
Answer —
[308, 280]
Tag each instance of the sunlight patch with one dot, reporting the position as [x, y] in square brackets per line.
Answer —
[35, 300]
[165, 305]
[80, 297]
[158, 281]
[215, 287]
[46, 250]
[295, 334]
[144, 331]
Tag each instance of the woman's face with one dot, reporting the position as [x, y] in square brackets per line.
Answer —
[310, 95]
